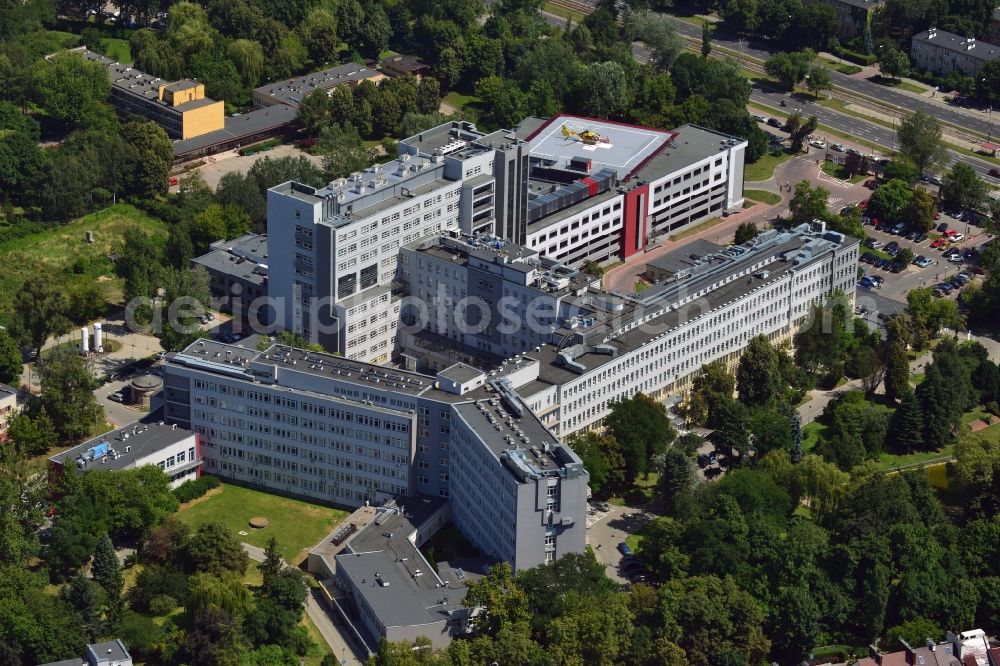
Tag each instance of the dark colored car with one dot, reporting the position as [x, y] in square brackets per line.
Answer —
[921, 237]
[624, 549]
[943, 227]
[774, 122]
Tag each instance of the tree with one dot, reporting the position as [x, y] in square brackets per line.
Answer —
[503, 603]
[503, 98]
[907, 426]
[69, 87]
[808, 203]
[789, 68]
[659, 33]
[213, 640]
[314, 111]
[342, 151]
[897, 374]
[137, 259]
[796, 624]
[963, 188]
[818, 79]
[187, 296]
[677, 477]
[223, 591]
[39, 309]
[602, 457]
[914, 632]
[32, 435]
[711, 385]
[82, 598]
[920, 140]
[107, 572]
[150, 157]
[890, 201]
[319, 36]
[271, 564]
[747, 231]
[905, 256]
[988, 84]
[213, 548]
[758, 376]
[607, 91]
[10, 359]
[68, 394]
[799, 135]
[706, 38]
[893, 63]
[248, 57]
[375, 31]
[902, 168]
[713, 621]
[939, 415]
[919, 213]
[642, 429]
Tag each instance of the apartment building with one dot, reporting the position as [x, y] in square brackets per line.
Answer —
[943, 52]
[853, 15]
[180, 107]
[342, 431]
[176, 451]
[237, 271]
[596, 346]
[9, 408]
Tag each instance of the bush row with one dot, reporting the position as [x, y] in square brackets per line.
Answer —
[195, 489]
[853, 56]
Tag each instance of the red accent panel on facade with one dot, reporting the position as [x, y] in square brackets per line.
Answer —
[634, 221]
[197, 454]
[591, 186]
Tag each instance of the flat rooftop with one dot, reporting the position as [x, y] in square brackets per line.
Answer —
[108, 451]
[684, 258]
[692, 144]
[244, 258]
[292, 91]
[621, 147]
[238, 127]
[506, 432]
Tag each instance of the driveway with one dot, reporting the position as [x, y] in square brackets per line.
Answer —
[609, 530]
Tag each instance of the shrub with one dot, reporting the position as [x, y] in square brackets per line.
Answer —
[194, 489]
[141, 635]
[155, 582]
[854, 57]
[162, 604]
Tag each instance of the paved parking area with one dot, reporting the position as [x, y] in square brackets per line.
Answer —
[897, 285]
[609, 530]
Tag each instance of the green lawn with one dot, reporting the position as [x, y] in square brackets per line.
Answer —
[296, 525]
[460, 100]
[118, 49]
[62, 253]
[564, 12]
[838, 171]
[763, 168]
[319, 649]
[811, 434]
[762, 196]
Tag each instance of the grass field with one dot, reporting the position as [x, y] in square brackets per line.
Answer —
[565, 12]
[117, 49]
[62, 253]
[296, 525]
[838, 171]
[460, 100]
[764, 168]
[762, 196]
[811, 434]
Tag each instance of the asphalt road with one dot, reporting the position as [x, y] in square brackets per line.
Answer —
[758, 49]
[872, 132]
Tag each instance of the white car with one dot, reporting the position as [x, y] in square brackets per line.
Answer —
[816, 143]
[759, 118]
[839, 147]
[957, 237]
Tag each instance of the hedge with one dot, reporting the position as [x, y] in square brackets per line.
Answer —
[853, 56]
[194, 489]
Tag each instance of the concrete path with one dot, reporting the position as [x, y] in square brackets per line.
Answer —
[316, 610]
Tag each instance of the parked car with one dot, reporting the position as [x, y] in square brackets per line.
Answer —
[945, 287]
[939, 293]
[898, 229]
[116, 397]
[624, 549]
[897, 267]
[774, 122]
[942, 227]
[892, 248]
[871, 183]
[839, 147]
[923, 262]
[602, 506]
[759, 118]
[978, 270]
[939, 243]
[995, 173]
[878, 279]
[854, 151]
[921, 237]
[816, 143]
[956, 237]
[873, 243]
[934, 179]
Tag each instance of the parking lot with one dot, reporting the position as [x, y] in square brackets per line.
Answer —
[895, 286]
[606, 530]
